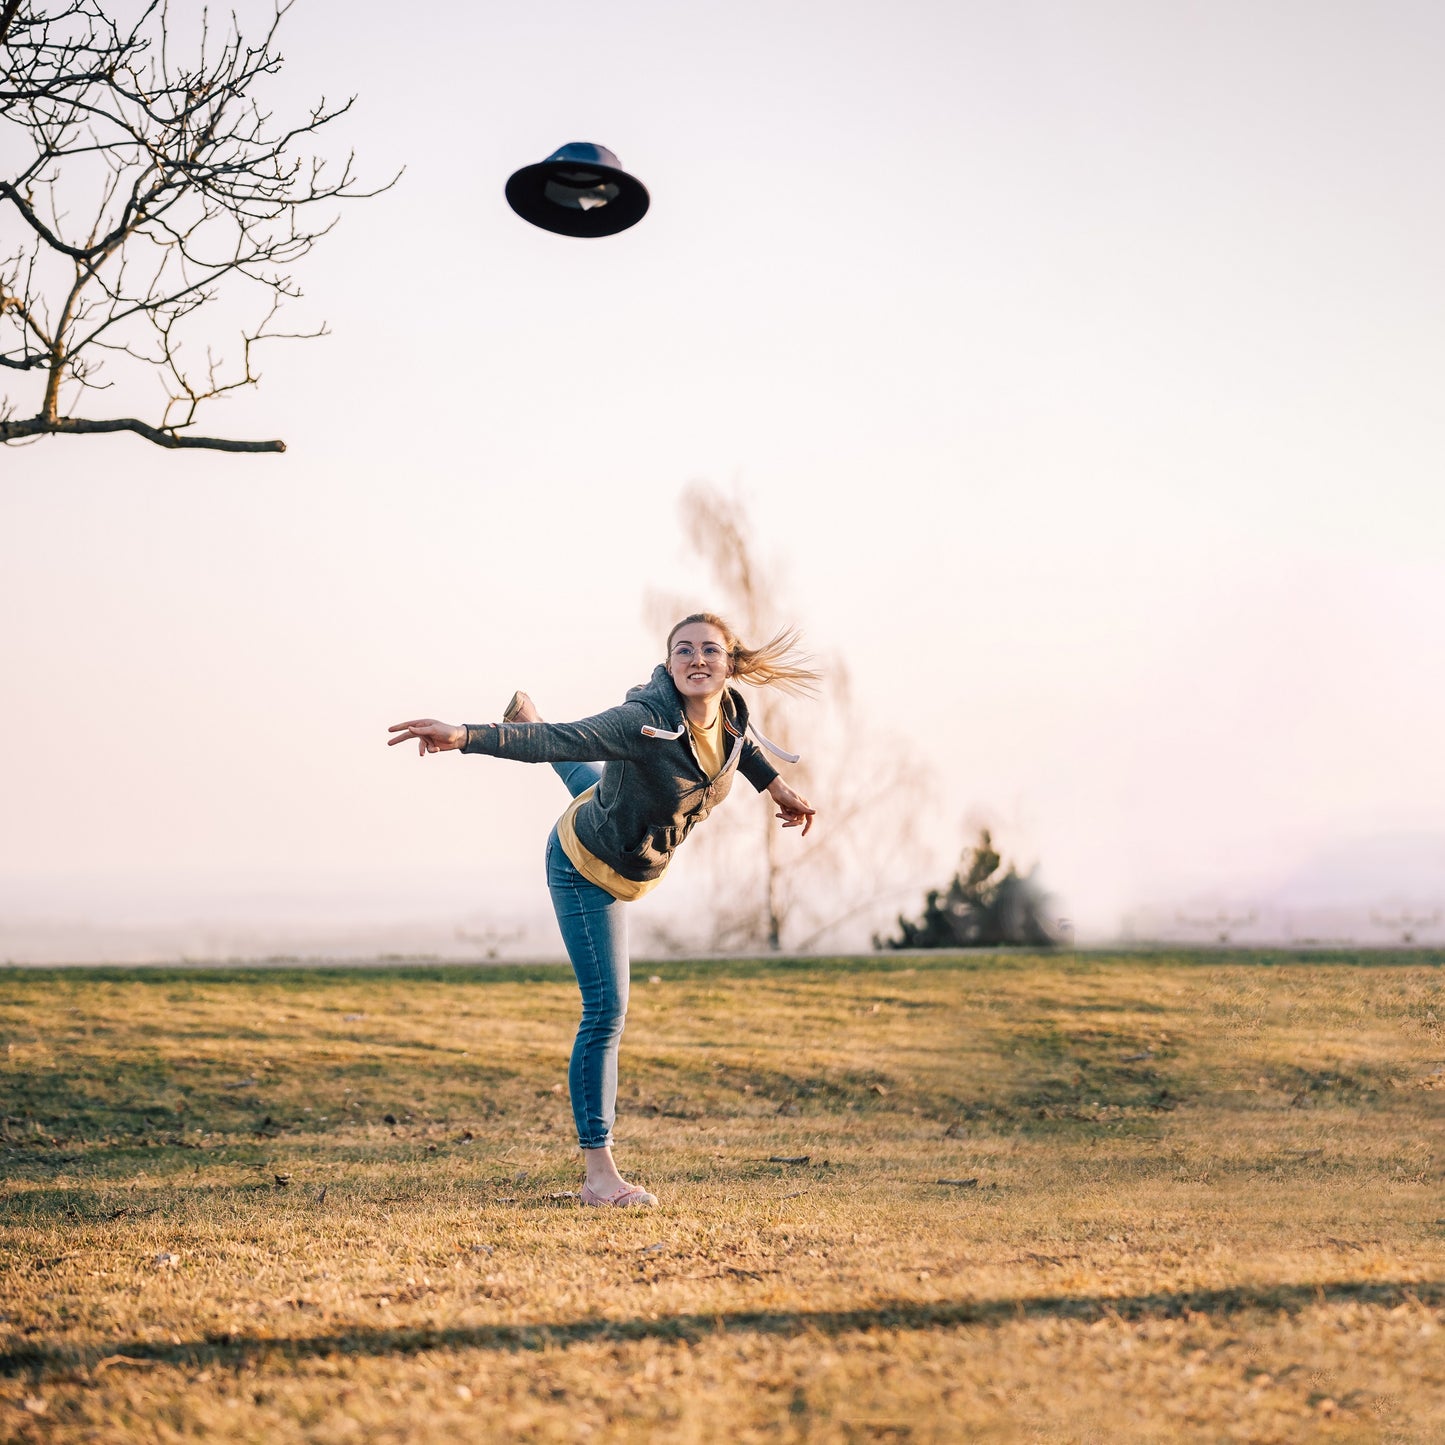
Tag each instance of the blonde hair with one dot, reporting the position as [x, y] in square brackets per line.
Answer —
[779, 662]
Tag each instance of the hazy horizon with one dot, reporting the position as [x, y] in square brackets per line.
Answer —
[1380, 893]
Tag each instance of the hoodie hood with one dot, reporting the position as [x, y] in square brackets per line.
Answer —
[660, 693]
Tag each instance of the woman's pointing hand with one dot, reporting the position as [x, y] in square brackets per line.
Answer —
[431, 736]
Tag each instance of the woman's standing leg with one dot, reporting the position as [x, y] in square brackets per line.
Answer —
[594, 930]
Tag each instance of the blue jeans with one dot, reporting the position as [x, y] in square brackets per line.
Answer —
[594, 931]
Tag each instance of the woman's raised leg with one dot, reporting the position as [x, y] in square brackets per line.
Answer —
[577, 776]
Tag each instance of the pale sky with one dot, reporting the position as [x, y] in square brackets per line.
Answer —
[1083, 366]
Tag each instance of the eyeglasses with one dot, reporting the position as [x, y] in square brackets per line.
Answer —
[711, 651]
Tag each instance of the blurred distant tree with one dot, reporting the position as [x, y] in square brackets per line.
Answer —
[1405, 922]
[1222, 923]
[145, 185]
[784, 889]
[980, 908]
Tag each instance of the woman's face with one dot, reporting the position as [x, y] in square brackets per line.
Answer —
[699, 663]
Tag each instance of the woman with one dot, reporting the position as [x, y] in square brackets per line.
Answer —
[669, 755]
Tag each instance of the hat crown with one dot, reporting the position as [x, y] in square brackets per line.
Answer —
[585, 152]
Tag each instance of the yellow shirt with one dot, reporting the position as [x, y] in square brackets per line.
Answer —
[708, 742]
[591, 867]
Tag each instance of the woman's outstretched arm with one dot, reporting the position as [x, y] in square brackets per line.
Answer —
[612, 735]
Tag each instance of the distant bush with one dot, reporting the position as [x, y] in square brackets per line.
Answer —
[980, 908]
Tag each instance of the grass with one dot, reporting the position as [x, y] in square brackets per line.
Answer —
[1195, 1196]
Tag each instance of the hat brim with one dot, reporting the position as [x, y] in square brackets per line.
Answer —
[526, 196]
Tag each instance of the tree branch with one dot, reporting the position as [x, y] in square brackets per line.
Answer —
[76, 253]
[42, 426]
[7, 15]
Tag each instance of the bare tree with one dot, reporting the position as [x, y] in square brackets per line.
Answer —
[147, 187]
[777, 888]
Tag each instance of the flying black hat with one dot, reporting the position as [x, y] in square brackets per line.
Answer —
[579, 190]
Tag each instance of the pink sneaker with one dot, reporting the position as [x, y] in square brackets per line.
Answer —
[520, 704]
[629, 1196]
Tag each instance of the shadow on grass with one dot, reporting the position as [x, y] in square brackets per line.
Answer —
[40, 1362]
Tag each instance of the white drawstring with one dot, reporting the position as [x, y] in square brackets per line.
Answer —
[772, 747]
[648, 731]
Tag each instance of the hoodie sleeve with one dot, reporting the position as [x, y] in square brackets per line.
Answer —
[609, 736]
[755, 767]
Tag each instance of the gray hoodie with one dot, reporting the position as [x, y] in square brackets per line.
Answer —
[653, 791]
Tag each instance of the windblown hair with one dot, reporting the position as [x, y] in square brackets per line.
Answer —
[779, 662]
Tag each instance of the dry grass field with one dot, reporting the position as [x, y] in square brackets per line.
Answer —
[1092, 1197]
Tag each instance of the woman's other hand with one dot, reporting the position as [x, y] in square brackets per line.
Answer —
[794, 809]
[431, 736]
